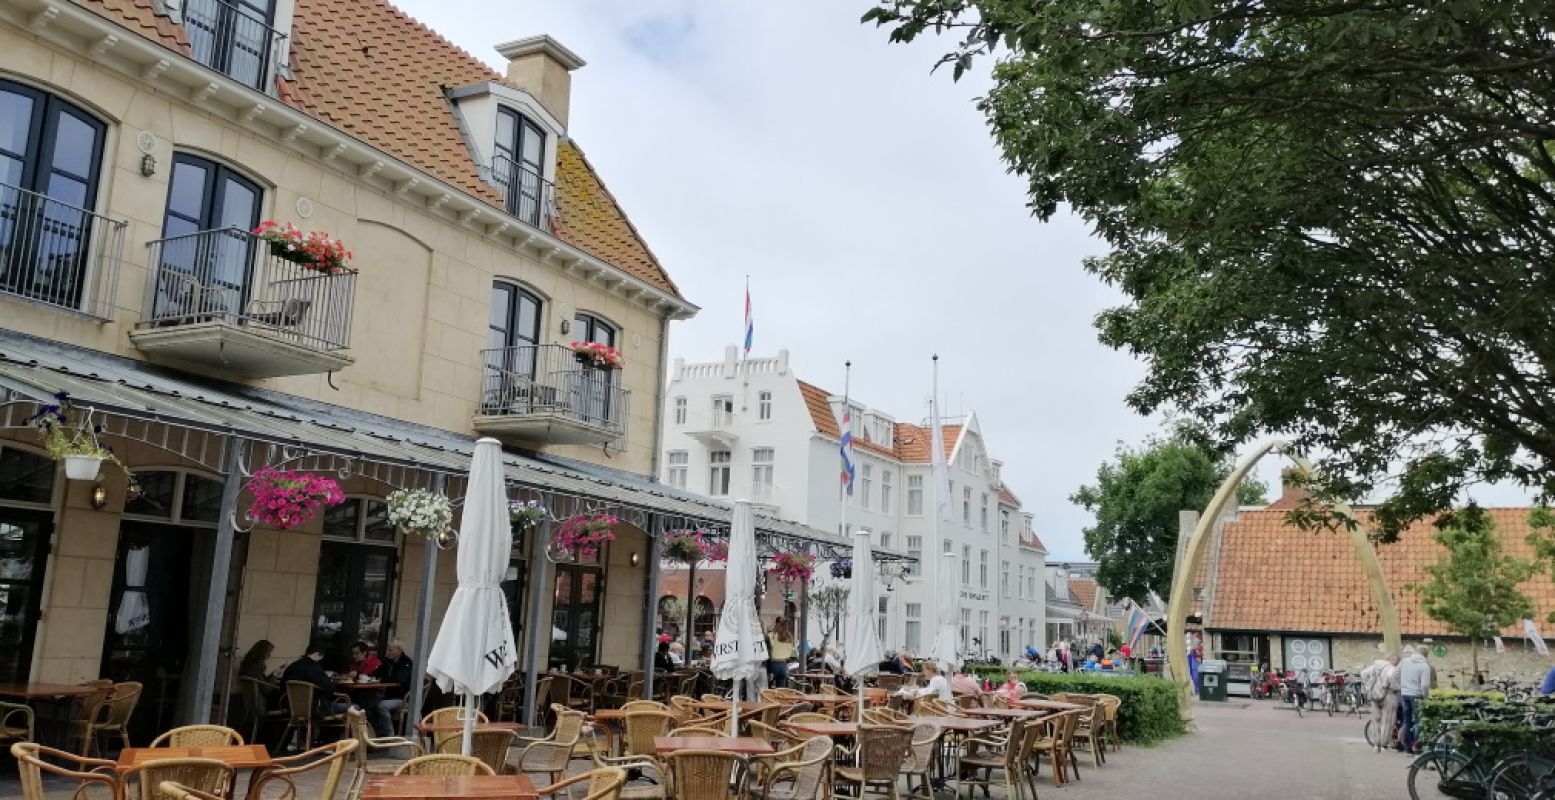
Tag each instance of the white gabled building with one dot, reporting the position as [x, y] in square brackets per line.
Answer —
[751, 429]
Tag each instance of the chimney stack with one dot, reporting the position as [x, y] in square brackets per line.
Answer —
[542, 67]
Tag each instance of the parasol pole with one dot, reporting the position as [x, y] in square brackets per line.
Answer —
[469, 724]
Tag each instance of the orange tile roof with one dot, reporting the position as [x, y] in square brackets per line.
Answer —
[1034, 542]
[1008, 497]
[913, 442]
[372, 71]
[818, 400]
[1084, 590]
[1276, 577]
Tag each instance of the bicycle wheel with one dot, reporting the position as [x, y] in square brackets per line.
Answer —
[1370, 741]
[1518, 777]
[1330, 702]
[1445, 774]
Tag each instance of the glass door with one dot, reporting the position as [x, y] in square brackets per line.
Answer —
[351, 600]
[147, 637]
[594, 383]
[207, 250]
[24, 541]
[575, 615]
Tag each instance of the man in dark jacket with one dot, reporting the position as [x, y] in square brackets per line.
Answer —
[398, 669]
[310, 669]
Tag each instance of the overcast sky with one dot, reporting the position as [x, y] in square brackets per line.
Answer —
[865, 199]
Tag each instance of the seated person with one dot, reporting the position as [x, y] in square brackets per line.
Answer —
[965, 684]
[677, 654]
[363, 661]
[254, 665]
[310, 669]
[398, 669]
[1092, 664]
[662, 661]
[1011, 690]
[938, 686]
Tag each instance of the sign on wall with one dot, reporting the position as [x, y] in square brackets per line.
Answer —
[1308, 655]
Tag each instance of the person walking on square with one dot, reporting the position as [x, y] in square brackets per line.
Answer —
[1414, 679]
[1382, 691]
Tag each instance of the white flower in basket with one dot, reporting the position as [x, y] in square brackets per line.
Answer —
[419, 511]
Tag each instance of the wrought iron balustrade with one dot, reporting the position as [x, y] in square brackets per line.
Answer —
[527, 194]
[233, 39]
[549, 380]
[58, 254]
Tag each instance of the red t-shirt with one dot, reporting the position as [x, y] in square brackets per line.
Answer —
[366, 666]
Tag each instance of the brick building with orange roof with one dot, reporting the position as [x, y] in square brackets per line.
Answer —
[1276, 594]
[738, 428]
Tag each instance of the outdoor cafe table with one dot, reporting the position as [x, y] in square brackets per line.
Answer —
[744, 745]
[237, 756]
[827, 699]
[354, 686]
[458, 727]
[35, 691]
[468, 787]
[1007, 713]
[1050, 705]
[52, 728]
[833, 729]
[746, 709]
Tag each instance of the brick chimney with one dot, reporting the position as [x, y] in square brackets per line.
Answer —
[541, 66]
[1292, 493]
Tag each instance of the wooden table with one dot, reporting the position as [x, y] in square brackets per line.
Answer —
[609, 715]
[754, 707]
[743, 745]
[468, 787]
[958, 724]
[1051, 705]
[833, 729]
[33, 691]
[827, 699]
[238, 756]
[458, 727]
[1007, 713]
[352, 686]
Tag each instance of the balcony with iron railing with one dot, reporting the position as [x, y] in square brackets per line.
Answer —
[526, 193]
[226, 299]
[542, 394]
[234, 39]
[57, 254]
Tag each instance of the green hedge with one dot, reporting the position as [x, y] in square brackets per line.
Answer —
[1149, 711]
[1494, 740]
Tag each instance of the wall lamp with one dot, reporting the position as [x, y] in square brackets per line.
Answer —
[99, 497]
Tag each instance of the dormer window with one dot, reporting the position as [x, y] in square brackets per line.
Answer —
[518, 166]
[236, 38]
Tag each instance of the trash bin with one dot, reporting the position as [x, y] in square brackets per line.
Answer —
[1212, 680]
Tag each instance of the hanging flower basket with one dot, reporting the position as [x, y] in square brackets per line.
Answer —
[420, 512]
[691, 547]
[582, 535]
[312, 250]
[790, 567]
[842, 569]
[594, 354]
[524, 515]
[72, 438]
[287, 499]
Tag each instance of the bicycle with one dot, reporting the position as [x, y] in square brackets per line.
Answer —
[1457, 769]
[1292, 692]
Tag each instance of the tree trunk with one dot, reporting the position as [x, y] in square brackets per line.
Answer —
[1474, 659]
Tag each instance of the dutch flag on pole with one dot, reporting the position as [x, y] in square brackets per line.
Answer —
[847, 447]
[750, 322]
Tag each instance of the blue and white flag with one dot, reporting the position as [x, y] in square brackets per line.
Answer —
[750, 323]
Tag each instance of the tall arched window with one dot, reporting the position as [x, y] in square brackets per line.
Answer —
[519, 167]
[205, 254]
[595, 387]
[512, 339]
[51, 155]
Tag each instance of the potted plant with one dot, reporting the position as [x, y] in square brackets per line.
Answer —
[691, 547]
[312, 250]
[525, 515]
[284, 499]
[420, 512]
[789, 567]
[842, 568]
[599, 355]
[582, 534]
[73, 440]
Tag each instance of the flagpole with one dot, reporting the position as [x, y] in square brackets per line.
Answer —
[842, 436]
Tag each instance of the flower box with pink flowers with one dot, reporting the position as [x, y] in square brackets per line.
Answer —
[284, 499]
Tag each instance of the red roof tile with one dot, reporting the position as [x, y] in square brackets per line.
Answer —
[1084, 590]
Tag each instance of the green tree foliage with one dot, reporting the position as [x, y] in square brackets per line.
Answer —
[1136, 500]
[1473, 588]
[1330, 220]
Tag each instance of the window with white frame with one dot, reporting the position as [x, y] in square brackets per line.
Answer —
[949, 548]
[966, 565]
[763, 406]
[762, 459]
[719, 462]
[913, 635]
[880, 619]
[1004, 641]
[866, 484]
[982, 570]
[885, 490]
[966, 628]
[966, 505]
[723, 411]
[983, 520]
[1004, 578]
[982, 624]
[675, 474]
[915, 549]
[680, 411]
[885, 540]
[1004, 527]
[914, 495]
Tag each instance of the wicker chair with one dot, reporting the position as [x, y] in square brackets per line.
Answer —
[201, 774]
[256, 709]
[920, 758]
[90, 773]
[1004, 759]
[90, 708]
[699, 730]
[704, 774]
[550, 755]
[1110, 703]
[199, 736]
[683, 706]
[810, 716]
[109, 715]
[1056, 745]
[805, 768]
[453, 715]
[779, 739]
[16, 723]
[1089, 731]
[444, 765]
[604, 784]
[884, 716]
[491, 747]
[178, 791]
[302, 714]
[648, 769]
[510, 701]
[329, 760]
[880, 753]
[640, 728]
[359, 730]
